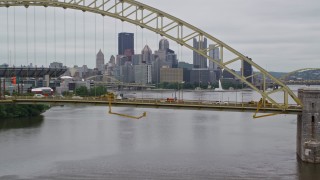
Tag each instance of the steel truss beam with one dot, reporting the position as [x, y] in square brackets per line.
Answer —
[165, 25]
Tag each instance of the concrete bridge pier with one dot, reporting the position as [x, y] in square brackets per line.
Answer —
[308, 126]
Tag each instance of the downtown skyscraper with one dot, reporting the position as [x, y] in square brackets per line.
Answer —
[198, 60]
[247, 70]
[100, 61]
[126, 44]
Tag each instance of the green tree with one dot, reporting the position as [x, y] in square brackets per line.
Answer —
[66, 93]
[82, 91]
[98, 91]
[21, 110]
[188, 85]
[227, 84]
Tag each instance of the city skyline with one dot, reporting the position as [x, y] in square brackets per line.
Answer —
[277, 40]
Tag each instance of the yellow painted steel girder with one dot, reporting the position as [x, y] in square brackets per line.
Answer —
[111, 98]
[285, 76]
[166, 25]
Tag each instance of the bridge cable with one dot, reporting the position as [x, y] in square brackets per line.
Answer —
[10, 58]
[2, 48]
[54, 34]
[46, 34]
[75, 38]
[34, 36]
[55, 46]
[8, 36]
[95, 34]
[179, 52]
[178, 67]
[115, 36]
[27, 41]
[103, 35]
[177, 58]
[95, 51]
[136, 46]
[84, 38]
[157, 63]
[122, 26]
[141, 38]
[65, 37]
[14, 35]
[157, 43]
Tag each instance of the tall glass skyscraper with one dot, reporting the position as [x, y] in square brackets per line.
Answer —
[198, 60]
[214, 53]
[126, 44]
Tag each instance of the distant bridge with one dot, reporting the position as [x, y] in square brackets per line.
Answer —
[303, 82]
[286, 80]
[112, 81]
[122, 84]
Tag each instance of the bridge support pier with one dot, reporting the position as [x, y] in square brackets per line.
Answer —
[308, 126]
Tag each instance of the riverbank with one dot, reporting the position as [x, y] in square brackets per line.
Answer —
[21, 110]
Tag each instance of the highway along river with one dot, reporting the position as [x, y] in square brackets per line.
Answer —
[84, 142]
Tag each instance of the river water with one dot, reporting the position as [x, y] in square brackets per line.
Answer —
[84, 142]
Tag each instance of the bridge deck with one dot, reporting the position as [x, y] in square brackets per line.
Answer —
[158, 103]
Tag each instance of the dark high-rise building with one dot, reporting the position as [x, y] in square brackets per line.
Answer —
[163, 44]
[172, 58]
[200, 75]
[227, 75]
[247, 70]
[126, 44]
[198, 60]
[185, 65]
[186, 75]
[146, 55]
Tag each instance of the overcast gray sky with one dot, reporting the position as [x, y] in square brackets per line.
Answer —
[279, 35]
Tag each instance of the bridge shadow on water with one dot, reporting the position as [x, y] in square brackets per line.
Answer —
[18, 123]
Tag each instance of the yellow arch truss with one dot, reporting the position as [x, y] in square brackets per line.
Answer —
[171, 27]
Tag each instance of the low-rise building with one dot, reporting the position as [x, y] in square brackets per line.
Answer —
[171, 75]
[142, 74]
[200, 75]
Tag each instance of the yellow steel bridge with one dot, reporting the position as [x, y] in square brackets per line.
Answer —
[177, 30]
[159, 103]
